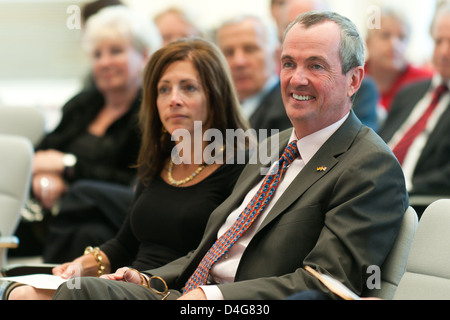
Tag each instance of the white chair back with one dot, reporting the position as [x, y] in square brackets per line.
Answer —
[15, 178]
[427, 273]
[394, 266]
[28, 122]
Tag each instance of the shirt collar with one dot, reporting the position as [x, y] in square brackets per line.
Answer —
[437, 81]
[309, 145]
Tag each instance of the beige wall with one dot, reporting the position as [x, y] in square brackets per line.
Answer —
[42, 64]
[35, 41]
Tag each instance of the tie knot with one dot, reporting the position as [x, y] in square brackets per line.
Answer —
[291, 151]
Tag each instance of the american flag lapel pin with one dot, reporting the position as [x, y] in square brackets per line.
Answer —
[321, 169]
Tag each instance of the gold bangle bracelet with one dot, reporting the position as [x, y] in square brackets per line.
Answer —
[98, 257]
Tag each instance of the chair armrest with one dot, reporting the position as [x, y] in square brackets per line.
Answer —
[10, 242]
[424, 200]
[21, 270]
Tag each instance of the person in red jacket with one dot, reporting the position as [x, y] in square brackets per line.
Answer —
[387, 63]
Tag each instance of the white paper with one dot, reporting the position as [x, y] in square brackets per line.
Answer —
[39, 281]
[341, 287]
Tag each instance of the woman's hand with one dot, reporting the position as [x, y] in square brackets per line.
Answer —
[84, 266]
[69, 270]
[126, 274]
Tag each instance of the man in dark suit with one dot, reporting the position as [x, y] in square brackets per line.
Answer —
[251, 48]
[337, 208]
[426, 162]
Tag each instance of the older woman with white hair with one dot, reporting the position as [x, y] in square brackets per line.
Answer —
[97, 137]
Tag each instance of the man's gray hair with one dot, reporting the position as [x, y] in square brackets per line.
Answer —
[398, 16]
[114, 21]
[352, 44]
[270, 32]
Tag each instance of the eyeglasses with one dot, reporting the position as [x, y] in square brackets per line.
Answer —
[150, 283]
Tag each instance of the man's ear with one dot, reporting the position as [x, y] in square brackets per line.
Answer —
[354, 77]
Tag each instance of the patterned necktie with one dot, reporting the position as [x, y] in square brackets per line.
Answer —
[245, 219]
[403, 145]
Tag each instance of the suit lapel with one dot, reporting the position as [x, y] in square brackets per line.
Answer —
[247, 180]
[437, 136]
[337, 144]
[326, 156]
[414, 96]
[271, 100]
[402, 108]
[252, 174]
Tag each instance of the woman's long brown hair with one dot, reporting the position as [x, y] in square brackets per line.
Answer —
[222, 102]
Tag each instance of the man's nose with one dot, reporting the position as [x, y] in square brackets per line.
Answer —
[299, 78]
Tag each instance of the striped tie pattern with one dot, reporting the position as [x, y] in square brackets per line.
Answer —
[245, 219]
[403, 145]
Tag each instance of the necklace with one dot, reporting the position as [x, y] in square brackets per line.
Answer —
[185, 180]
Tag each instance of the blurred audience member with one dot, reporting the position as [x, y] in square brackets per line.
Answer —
[88, 10]
[250, 47]
[417, 126]
[292, 8]
[387, 62]
[91, 8]
[174, 24]
[97, 137]
[276, 10]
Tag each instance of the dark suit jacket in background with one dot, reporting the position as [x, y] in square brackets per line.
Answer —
[339, 221]
[365, 103]
[270, 113]
[432, 173]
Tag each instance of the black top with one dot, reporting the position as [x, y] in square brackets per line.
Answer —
[106, 158]
[166, 222]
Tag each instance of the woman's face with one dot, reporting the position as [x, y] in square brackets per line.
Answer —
[181, 98]
[117, 65]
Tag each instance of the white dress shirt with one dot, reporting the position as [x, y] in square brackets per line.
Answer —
[415, 150]
[224, 270]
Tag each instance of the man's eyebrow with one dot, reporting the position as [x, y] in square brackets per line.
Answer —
[319, 59]
[286, 57]
[316, 58]
[309, 59]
